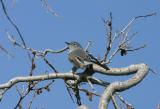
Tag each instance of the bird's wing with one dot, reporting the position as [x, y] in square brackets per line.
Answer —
[79, 57]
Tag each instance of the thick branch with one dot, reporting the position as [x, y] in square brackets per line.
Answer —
[113, 71]
[15, 80]
[117, 71]
[141, 71]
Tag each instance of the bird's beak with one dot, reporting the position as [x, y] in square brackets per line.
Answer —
[67, 43]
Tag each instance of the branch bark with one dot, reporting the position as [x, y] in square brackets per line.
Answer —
[140, 71]
[113, 71]
[15, 80]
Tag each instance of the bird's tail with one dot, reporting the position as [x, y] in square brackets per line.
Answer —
[96, 61]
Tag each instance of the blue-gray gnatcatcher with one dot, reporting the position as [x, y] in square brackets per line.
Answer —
[79, 57]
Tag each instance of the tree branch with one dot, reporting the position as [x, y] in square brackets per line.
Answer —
[49, 8]
[114, 102]
[15, 80]
[141, 71]
[33, 51]
[113, 71]
[13, 24]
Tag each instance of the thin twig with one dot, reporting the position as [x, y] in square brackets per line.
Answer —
[124, 101]
[114, 102]
[125, 39]
[90, 83]
[131, 37]
[33, 66]
[48, 7]
[20, 93]
[86, 91]
[69, 92]
[135, 49]
[111, 57]
[2, 92]
[131, 22]
[46, 87]
[109, 36]
[21, 98]
[35, 52]
[88, 45]
[50, 65]
[94, 80]
[133, 19]
[31, 101]
[13, 24]
[152, 71]
[6, 51]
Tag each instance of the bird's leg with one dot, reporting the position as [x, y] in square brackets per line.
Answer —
[90, 83]
[89, 66]
[89, 69]
[74, 69]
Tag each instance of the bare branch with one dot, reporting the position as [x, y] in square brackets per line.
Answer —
[13, 24]
[21, 98]
[135, 49]
[125, 39]
[152, 71]
[109, 36]
[33, 51]
[98, 81]
[124, 101]
[111, 56]
[141, 72]
[50, 65]
[114, 102]
[48, 7]
[38, 78]
[137, 17]
[113, 71]
[6, 51]
[88, 45]
[33, 65]
[69, 91]
[87, 92]
[31, 101]
[2, 92]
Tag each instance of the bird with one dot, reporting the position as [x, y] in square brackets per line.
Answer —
[80, 58]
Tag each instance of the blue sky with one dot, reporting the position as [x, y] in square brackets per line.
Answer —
[80, 21]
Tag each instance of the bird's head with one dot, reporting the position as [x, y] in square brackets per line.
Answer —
[73, 45]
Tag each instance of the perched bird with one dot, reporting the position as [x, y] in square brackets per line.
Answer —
[79, 57]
